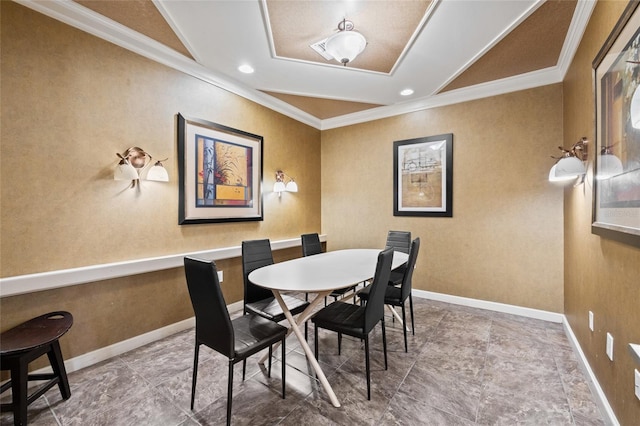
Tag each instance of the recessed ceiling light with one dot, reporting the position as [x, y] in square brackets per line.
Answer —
[246, 69]
[407, 92]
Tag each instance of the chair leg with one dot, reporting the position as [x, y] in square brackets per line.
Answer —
[229, 392]
[244, 367]
[384, 343]
[270, 355]
[366, 361]
[284, 364]
[339, 343]
[413, 328]
[19, 393]
[404, 328]
[57, 364]
[195, 374]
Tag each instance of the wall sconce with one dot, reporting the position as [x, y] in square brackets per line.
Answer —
[133, 161]
[608, 164]
[280, 186]
[571, 164]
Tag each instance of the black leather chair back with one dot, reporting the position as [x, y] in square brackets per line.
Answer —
[213, 324]
[399, 241]
[374, 309]
[255, 254]
[311, 244]
[405, 289]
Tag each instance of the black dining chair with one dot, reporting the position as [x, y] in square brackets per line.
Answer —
[236, 339]
[399, 241]
[358, 321]
[310, 246]
[396, 296]
[259, 300]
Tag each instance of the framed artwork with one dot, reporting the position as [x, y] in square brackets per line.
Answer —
[423, 176]
[616, 187]
[220, 172]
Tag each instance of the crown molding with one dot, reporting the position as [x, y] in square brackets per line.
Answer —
[576, 30]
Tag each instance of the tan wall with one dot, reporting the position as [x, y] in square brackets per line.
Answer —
[504, 242]
[601, 275]
[70, 101]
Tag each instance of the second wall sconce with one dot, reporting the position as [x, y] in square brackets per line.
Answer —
[571, 164]
[279, 187]
[133, 161]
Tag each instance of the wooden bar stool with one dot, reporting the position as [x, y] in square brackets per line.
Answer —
[25, 343]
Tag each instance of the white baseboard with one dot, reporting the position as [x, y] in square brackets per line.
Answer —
[491, 306]
[601, 399]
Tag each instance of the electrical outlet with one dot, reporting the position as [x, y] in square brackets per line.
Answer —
[220, 276]
[610, 346]
[637, 373]
[590, 320]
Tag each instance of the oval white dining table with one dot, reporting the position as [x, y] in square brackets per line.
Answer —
[321, 274]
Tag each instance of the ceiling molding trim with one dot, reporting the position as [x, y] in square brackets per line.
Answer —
[176, 30]
[576, 30]
[77, 16]
[499, 87]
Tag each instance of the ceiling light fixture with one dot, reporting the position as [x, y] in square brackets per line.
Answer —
[346, 44]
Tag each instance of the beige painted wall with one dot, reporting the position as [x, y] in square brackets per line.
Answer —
[69, 102]
[601, 275]
[504, 242]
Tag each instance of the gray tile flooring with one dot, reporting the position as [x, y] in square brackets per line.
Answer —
[465, 366]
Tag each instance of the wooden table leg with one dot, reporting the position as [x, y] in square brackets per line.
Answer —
[303, 343]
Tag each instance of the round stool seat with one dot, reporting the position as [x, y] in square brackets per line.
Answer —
[36, 332]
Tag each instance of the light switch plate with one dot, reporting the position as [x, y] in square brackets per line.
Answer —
[590, 320]
[637, 373]
[610, 346]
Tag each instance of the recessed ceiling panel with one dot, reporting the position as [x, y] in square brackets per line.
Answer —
[388, 27]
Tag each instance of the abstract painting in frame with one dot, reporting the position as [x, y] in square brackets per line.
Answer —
[220, 173]
[423, 176]
[616, 187]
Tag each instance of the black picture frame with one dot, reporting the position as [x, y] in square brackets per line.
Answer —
[423, 176]
[616, 70]
[220, 173]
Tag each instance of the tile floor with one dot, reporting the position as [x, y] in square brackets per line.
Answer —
[464, 367]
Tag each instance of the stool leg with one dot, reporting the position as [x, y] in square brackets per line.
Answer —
[19, 372]
[57, 363]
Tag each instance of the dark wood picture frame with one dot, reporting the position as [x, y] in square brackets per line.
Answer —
[220, 173]
[423, 176]
[616, 69]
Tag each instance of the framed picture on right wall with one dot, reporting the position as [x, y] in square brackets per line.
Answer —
[616, 185]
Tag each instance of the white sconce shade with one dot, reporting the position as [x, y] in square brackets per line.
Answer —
[292, 186]
[125, 171]
[554, 178]
[158, 173]
[345, 46]
[634, 109]
[569, 167]
[609, 165]
[279, 187]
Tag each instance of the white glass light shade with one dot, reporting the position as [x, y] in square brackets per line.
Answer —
[279, 187]
[554, 178]
[125, 171]
[609, 166]
[569, 167]
[292, 186]
[634, 110]
[158, 173]
[345, 45]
